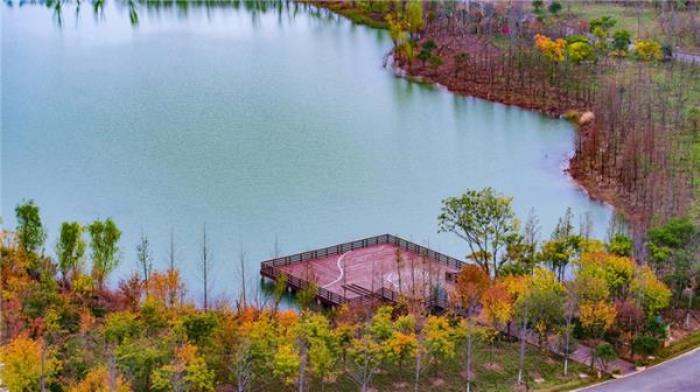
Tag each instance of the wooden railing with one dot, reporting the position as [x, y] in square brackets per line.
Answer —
[364, 243]
[271, 268]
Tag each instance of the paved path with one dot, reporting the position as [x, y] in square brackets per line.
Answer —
[681, 374]
[578, 353]
[687, 57]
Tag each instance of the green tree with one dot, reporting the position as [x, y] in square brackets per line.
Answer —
[70, 249]
[104, 245]
[199, 327]
[621, 40]
[544, 300]
[580, 51]
[485, 220]
[414, 16]
[620, 245]
[538, 6]
[30, 231]
[321, 347]
[306, 295]
[286, 363]
[563, 246]
[604, 22]
[369, 350]
[671, 249]
[605, 353]
[554, 7]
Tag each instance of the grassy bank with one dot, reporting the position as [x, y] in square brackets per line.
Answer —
[544, 373]
[354, 13]
[677, 348]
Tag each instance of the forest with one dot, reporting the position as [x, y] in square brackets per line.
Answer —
[612, 69]
[514, 317]
[525, 303]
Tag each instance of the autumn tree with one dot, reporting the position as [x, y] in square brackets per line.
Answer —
[470, 283]
[544, 302]
[485, 220]
[414, 17]
[496, 310]
[652, 294]
[440, 339]
[322, 348]
[187, 372]
[24, 368]
[368, 349]
[98, 379]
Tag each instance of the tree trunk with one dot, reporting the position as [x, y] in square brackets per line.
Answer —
[469, 362]
[521, 359]
[418, 369]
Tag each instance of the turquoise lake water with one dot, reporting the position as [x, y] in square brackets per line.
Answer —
[270, 127]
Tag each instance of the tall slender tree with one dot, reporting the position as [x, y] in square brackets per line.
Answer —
[70, 249]
[104, 246]
[30, 231]
[145, 259]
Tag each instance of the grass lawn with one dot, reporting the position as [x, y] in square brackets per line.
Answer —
[355, 14]
[641, 22]
[628, 18]
[499, 376]
[681, 346]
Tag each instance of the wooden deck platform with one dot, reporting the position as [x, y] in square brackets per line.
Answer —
[383, 267]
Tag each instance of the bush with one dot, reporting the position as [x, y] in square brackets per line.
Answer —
[604, 22]
[645, 345]
[620, 245]
[656, 327]
[605, 353]
[667, 51]
[570, 39]
[648, 50]
[554, 7]
[199, 326]
[579, 52]
[621, 40]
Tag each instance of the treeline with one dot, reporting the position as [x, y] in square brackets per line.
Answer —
[636, 147]
[64, 329]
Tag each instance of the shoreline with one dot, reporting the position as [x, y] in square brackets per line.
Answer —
[595, 190]
[591, 189]
[445, 76]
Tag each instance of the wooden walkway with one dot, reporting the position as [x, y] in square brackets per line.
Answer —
[383, 267]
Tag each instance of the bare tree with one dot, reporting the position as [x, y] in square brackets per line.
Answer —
[241, 271]
[145, 259]
[205, 265]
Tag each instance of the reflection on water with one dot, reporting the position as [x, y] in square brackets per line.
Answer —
[181, 8]
[265, 120]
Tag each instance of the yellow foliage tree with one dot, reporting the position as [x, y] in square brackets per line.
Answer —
[597, 317]
[648, 50]
[497, 307]
[97, 380]
[552, 50]
[652, 294]
[21, 360]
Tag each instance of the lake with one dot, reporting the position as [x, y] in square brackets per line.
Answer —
[281, 130]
